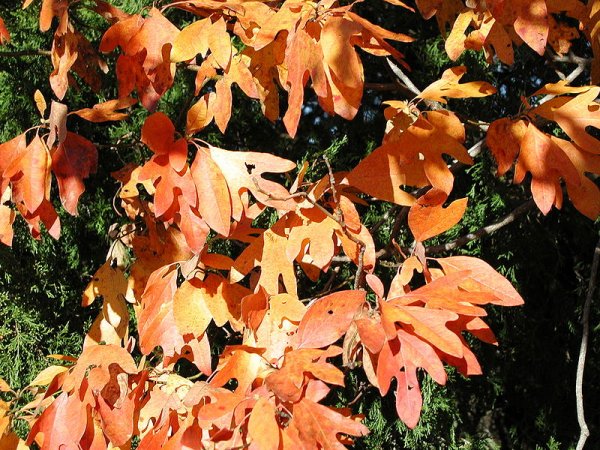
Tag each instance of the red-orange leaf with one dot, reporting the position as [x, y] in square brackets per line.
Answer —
[214, 201]
[158, 133]
[328, 319]
[319, 425]
[30, 175]
[72, 162]
[532, 23]
[4, 34]
[482, 278]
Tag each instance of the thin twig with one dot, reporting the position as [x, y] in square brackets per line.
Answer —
[402, 76]
[584, 430]
[358, 278]
[571, 58]
[569, 79]
[483, 231]
[336, 200]
[19, 53]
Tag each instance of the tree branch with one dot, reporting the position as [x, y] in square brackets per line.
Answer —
[484, 231]
[581, 65]
[584, 430]
[402, 76]
[19, 53]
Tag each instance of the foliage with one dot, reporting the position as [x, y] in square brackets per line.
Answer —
[243, 290]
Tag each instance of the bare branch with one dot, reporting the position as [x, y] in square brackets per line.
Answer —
[484, 231]
[571, 58]
[402, 76]
[581, 65]
[584, 430]
[19, 53]
[336, 200]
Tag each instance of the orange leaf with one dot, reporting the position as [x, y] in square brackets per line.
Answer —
[190, 41]
[200, 115]
[504, 138]
[547, 163]
[318, 425]
[429, 324]
[214, 201]
[449, 86]
[107, 111]
[51, 9]
[157, 325]
[427, 218]
[288, 382]
[574, 115]
[262, 426]
[100, 357]
[73, 161]
[243, 172]
[532, 23]
[4, 34]
[158, 133]
[30, 175]
[371, 334]
[269, 252]
[7, 217]
[62, 424]
[328, 319]
[277, 324]
[482, 278]
[111, 324]
[190, 310]
[412, 157]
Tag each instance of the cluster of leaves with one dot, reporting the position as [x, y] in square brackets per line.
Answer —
[191, 199]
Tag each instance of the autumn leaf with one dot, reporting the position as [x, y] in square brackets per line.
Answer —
[7, 217]
[574, 115]
[244, 171]
[273, 323]
[269, 252]
[106, 111]
[111, 324]
[288, 382]
[4, 34]
[531, 23]
[214, 200]
[504, 138]
[143, 65]
[431, 135]
[319, 425]
[63, 423]
[157, 326]
[427, 217]
[328, 319]
[449, 87]
[30, 175]
[429, 324]
[99, 358]
[262, 425]
[482, 278]
[158, 133]
[73, 161]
